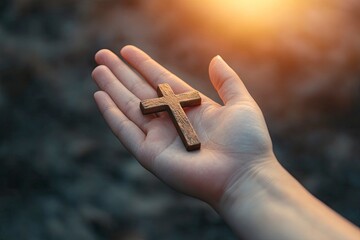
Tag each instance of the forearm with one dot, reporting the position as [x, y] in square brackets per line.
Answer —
[270, 204]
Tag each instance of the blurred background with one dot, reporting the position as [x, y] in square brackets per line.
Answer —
[63, 175]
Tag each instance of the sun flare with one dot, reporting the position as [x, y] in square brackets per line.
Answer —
[246, 15]
[250, 10]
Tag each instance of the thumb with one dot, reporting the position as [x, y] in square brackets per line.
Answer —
[226, 82]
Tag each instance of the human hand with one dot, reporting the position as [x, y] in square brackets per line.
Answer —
[235, 171]
[234, 137]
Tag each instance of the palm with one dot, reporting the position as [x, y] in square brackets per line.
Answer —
[231, 136]
[223, 138]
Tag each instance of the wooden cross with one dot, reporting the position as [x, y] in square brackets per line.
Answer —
[173, 104]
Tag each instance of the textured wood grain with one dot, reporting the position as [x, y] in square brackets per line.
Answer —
[174, 104]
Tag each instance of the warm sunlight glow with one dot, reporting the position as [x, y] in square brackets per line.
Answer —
[250, 16]
[251, 10]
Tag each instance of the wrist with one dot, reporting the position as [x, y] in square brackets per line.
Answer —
[266, 202]
[252, 183]
[251, 198]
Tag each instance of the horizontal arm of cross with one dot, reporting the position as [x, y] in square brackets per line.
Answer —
[153, 105]
[173, 104]
[189, 99]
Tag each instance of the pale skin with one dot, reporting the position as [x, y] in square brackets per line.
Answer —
[235, 172]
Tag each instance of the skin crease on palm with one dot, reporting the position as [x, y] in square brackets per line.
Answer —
[235, 171]
[234, 136]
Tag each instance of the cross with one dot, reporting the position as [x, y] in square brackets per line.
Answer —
[174, 104]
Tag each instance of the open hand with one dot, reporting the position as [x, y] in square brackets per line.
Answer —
[234, 138]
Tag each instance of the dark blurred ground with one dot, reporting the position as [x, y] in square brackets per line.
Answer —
[63, 175]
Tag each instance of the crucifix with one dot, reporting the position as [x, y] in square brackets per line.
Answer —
[174, 104]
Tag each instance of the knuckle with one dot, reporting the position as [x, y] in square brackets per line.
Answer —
[119, 129]
[131, 104]
[108, 109]
[136, 87]
[222, 84]
[107, 85]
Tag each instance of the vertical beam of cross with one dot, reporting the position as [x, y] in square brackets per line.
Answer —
[174, 104]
